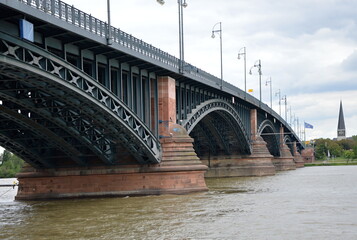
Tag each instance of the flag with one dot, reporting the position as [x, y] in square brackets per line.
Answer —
[307, 125]
[250, 90]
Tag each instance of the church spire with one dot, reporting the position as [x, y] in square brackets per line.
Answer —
[341, 129]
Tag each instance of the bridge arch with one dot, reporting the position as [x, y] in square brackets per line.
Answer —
[212, 119]
[288, 142]
[270, 135]
[65, 109]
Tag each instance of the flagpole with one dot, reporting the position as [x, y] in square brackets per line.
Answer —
[304, 134]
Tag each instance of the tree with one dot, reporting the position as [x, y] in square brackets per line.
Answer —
[347, 144]
[355, 151]
[349, 154]
[11, 165]
[320, 151]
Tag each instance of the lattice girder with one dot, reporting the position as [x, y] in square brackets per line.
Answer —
[75, 96]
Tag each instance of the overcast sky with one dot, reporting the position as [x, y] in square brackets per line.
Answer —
[307, 47]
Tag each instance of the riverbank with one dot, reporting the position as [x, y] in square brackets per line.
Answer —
[330, 163]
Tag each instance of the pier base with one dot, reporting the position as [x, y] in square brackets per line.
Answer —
[180, 172]
[259, 163]
[285, 161]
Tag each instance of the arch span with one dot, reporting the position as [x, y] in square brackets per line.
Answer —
[288, 142]
[69, 111]
[270, 135]
[216, 112]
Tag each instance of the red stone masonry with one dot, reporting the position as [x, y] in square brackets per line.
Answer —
[180, 170]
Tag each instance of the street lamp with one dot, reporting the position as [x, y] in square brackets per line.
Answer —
[109, 35]
[181, 4]
[278, 93]
[271, 97]
[220, 37]
[244, 53]
[284, 98]
[258, 64]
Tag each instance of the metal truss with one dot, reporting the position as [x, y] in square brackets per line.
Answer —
[84, 116]
[270, 134]
[228, 113]
[207, 136]
[218, 130]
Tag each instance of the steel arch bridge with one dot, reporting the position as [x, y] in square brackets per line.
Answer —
[69, 99]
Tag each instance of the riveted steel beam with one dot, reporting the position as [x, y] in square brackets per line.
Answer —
[109, 117]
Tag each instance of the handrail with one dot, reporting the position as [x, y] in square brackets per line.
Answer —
[74, 16]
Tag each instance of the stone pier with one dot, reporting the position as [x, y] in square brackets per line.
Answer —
[299, 162]
[259, 163]
[180, 170]
[286, 160]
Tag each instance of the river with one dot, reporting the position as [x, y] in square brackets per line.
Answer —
[308, 203]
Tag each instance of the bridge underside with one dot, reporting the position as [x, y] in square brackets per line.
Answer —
[97, 119]
[214, 135]
[49, 127]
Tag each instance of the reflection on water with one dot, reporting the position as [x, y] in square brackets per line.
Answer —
[308, 203]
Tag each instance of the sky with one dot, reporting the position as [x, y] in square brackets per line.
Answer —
[307, 47]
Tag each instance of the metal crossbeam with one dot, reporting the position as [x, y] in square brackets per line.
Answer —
[88, 108]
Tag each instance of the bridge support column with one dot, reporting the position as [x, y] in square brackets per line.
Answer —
[180, 170]
[177, 145]
[260, 160]
[299, 162]
[286, 160]
[259, 163]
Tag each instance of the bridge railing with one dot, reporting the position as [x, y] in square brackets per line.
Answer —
[74, 16]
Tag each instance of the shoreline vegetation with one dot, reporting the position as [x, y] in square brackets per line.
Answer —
[10, 164]
[332, 162]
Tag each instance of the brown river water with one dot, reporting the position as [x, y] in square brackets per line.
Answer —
[308, 203]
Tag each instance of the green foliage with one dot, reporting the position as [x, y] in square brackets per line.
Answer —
[349, 154]
[347, 144]
[11, 165]
[343, 148]
[355, 151]
[324, 145]
[320, 151]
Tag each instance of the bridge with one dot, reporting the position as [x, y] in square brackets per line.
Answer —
[98, 119]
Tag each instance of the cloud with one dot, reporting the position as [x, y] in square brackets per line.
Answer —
[307, 47]
[350, 63]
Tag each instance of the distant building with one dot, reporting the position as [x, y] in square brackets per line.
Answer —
[341, 128]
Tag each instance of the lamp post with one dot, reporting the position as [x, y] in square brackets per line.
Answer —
[278, 93]
[109, 35]
[271, 97]
[220, 38]
[286, 102]
[297, 126]
[258, 65]
[181, 4]
[244, 53]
